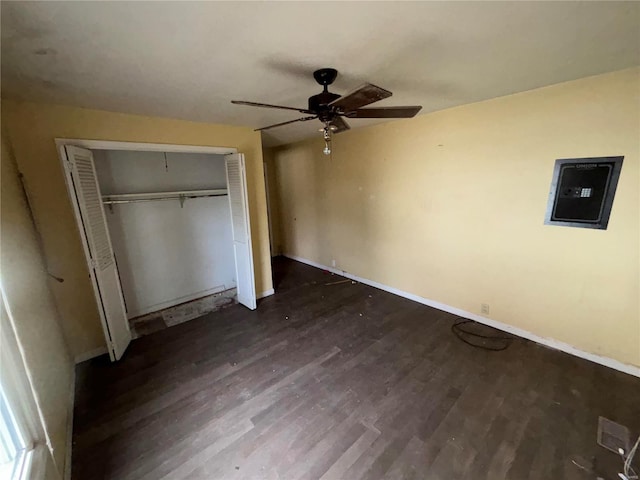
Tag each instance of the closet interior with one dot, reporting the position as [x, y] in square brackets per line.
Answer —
[169, 222]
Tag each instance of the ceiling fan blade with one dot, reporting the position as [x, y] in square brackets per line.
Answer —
[385, 112]
[340, 124]
[303, 119]
[266, 105]
[360, 97]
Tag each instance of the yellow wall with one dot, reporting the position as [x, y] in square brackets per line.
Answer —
[32, 129]
[450, 206]
[33, 313]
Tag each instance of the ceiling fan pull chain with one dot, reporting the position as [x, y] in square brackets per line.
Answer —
[326, 134]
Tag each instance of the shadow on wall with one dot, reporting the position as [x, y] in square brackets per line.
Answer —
[358, 226]
[358, 204]
[329, 208]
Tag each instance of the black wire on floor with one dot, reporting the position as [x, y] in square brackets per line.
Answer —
[492, 343]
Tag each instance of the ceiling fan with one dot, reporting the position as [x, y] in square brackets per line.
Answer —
[331, 108]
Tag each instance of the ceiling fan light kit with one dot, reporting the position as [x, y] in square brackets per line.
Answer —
[332, 109]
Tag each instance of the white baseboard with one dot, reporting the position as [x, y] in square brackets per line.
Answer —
[548, 342]
[83, 357]
[176, 301]
[266, 293]
[69, 452]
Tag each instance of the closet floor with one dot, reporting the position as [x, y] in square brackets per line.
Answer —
[156, 321]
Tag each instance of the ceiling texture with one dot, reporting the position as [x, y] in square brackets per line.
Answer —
[188, 60]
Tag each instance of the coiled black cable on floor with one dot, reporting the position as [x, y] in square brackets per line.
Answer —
[492, 343]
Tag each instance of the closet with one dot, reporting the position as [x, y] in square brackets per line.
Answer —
[170, 226]
[160, 229]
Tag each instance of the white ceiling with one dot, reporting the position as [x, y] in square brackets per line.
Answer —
[188, 60]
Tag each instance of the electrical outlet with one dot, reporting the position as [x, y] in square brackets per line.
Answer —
[484, 308]
[333, 263]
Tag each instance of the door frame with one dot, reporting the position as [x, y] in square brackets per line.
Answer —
[116, 145]
[267, 191]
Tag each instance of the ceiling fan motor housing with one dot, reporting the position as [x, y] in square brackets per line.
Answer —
[319, 104]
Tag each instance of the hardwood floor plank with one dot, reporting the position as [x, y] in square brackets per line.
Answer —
[339, 382]
[221, 431]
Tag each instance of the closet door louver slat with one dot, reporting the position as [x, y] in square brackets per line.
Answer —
[93, 214]
[238, 202]
[102, 265]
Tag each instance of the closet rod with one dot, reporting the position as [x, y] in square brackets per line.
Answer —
[175, 197]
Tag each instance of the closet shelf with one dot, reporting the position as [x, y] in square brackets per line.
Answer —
[181, 195]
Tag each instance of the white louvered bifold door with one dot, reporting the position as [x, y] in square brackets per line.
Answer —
[101, 260]
[237, 188]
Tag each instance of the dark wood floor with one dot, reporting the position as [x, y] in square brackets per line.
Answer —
[340, 382]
